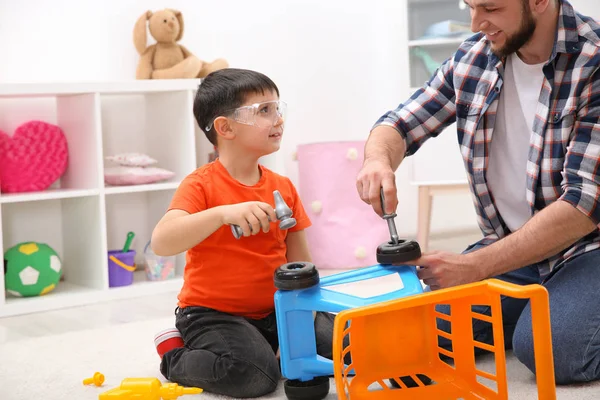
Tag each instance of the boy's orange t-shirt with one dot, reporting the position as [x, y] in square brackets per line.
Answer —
[224, 273]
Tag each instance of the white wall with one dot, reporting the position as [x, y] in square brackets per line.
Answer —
[587, 7]
[339, 64]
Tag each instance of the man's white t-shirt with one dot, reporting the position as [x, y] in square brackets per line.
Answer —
[509, 148]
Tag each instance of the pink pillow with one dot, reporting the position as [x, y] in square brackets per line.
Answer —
[119, 176]
[132, 159]
[33, 158]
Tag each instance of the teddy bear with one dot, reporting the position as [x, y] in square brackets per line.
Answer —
[167, 59]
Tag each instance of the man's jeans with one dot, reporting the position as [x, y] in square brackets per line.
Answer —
[232, 355]
[574, 293]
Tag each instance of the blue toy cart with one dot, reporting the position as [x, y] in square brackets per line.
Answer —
[301, 292]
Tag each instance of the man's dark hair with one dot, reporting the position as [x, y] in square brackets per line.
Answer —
[224, 90]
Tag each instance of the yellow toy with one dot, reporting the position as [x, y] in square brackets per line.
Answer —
[97, 379]
[147, 389]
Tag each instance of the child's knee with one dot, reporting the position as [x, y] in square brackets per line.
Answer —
[244, 379]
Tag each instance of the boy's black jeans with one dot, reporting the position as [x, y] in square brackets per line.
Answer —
[232, 355]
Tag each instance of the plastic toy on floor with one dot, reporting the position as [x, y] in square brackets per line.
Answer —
[301, 291]
[147, 389]
[97, 379]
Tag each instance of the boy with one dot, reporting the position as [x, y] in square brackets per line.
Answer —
[225, 314]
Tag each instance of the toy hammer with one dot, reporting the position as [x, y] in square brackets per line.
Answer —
[282, 211]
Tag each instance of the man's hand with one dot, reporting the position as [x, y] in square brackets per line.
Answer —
[384, 152]
[442, 269]
[373, 176]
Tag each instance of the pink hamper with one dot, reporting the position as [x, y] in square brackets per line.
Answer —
[345, 231]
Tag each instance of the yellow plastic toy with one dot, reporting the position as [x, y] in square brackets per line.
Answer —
[399, 338]
[147, 389]
[97, 379]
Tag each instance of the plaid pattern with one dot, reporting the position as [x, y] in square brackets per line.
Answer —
[564, 157]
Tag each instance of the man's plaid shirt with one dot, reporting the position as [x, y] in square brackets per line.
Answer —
[564, 155]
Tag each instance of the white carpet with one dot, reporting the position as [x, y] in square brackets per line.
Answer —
[53, 367]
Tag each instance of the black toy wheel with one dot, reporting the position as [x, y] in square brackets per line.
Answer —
[296, 275]
[391, 253]
[315, 389]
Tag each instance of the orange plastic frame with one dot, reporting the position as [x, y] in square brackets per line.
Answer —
[399, 338]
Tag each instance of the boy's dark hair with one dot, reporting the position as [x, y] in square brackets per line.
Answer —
[224, 90]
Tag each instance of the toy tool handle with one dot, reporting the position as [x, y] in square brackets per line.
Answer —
[237, 231]
[130, 236]
[390, 220]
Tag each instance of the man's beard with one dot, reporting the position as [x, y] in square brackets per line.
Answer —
[521, 37]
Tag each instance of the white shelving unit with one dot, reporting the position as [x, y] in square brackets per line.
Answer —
[421, 14]
[439, 160]
[437, 168]
[80, 217]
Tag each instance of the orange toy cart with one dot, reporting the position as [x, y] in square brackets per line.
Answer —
[399, 338]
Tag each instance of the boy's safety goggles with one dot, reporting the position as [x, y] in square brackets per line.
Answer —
[262, 115]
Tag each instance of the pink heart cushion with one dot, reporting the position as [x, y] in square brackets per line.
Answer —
[33, 158]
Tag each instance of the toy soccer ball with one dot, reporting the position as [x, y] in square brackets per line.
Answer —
[31, 269]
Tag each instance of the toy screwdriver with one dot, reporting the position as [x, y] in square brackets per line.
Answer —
[147, 389]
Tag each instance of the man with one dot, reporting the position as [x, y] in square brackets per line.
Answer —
[525, 95]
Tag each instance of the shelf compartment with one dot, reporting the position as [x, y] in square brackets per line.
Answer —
[138, 212]
[72, 227]
[432, 58]
[155, 124]
[78, 118]
[423, 14]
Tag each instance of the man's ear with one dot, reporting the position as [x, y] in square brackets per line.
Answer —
[540, 6]
[224, 128]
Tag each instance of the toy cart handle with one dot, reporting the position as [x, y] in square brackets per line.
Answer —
[542, 333]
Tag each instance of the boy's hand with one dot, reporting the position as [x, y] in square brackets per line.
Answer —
[251, 216]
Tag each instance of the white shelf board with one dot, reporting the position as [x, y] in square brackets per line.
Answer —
[436, 42]
[70, 88]
[68, 295]
[50, 194]
[143, 287]
[141, 188]
[65, 295]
